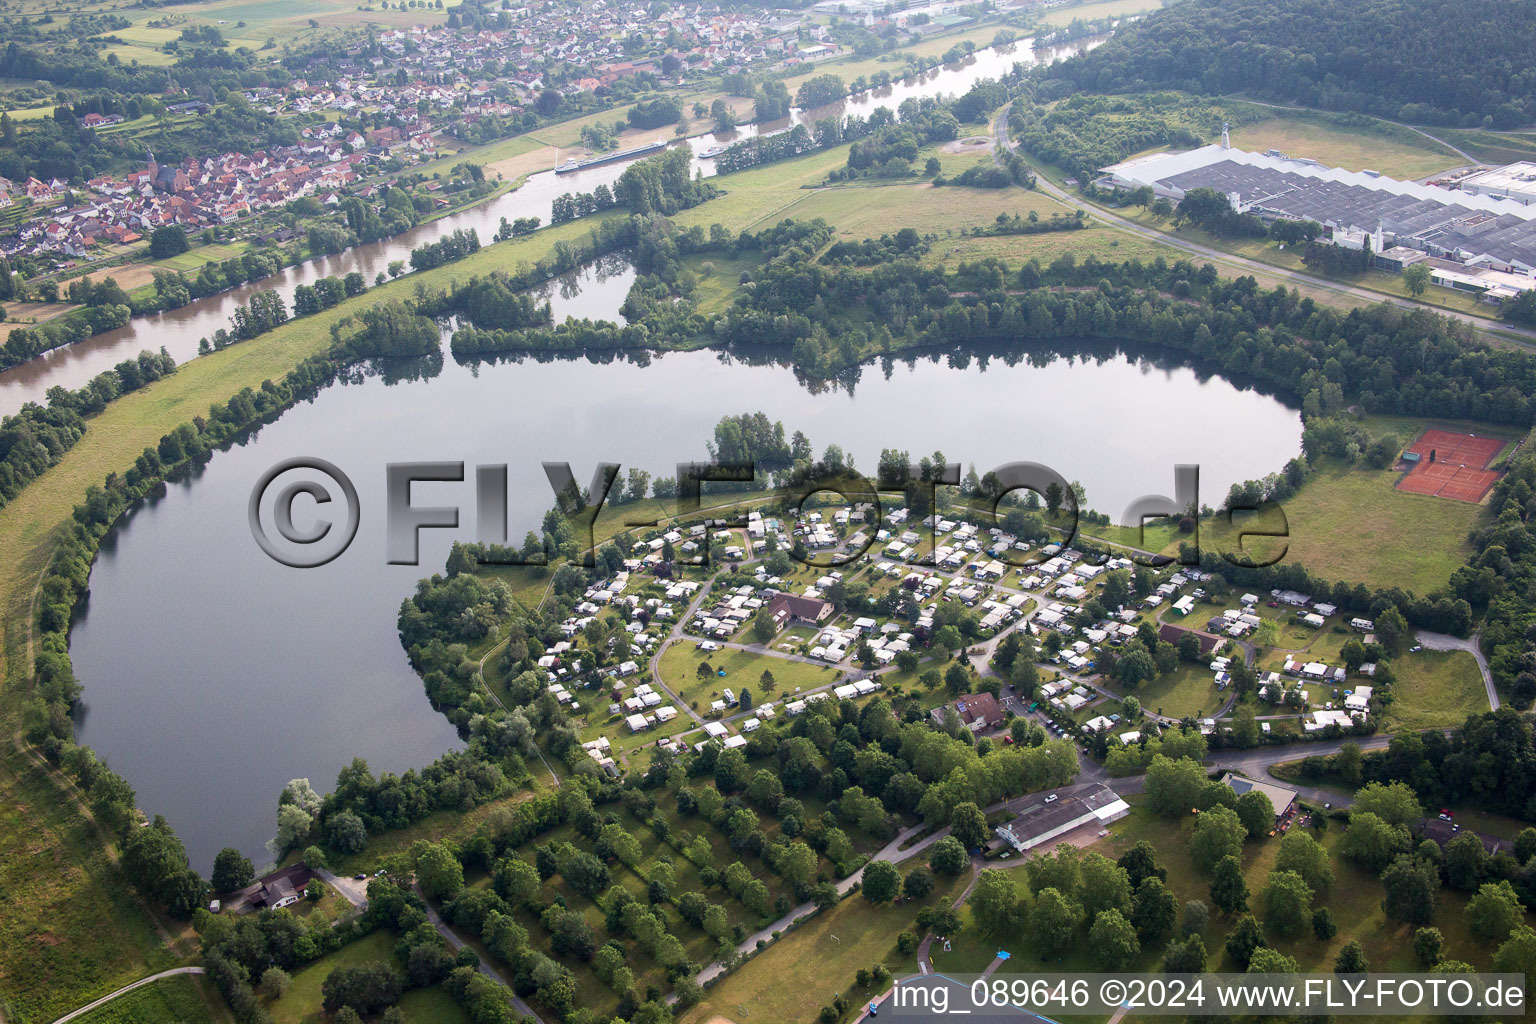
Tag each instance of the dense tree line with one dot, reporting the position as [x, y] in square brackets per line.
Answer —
[37, 437]
[1391, 360]
[906, 242]
[1461, 63]
[657, 246]
[1013, 224]
[1082, 134]
[894, 136]
[495, 300]
[655, 113]
[1499, 578]
[24, 343]
[1490, 760]
[453, 246]
[890, 146]
[763, 149]
[658, 184]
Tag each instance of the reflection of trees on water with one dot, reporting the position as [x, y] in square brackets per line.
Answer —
[403, 370]
[599, 271]
[1149, 359]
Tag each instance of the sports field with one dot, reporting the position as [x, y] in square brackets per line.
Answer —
[1452, 465]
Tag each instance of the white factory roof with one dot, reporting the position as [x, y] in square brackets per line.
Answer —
[1157, 167]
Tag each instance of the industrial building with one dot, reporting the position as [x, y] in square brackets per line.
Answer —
[1482, 241]
[1512, 181]
[1042, 822]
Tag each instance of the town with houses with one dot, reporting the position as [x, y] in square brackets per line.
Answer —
[404, 98]
[409, 94]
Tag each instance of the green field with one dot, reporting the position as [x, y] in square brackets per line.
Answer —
[1435, 690]
[820, 957]
[679, 668]
[301, 1004]
[868, 211]
[182, 999]
[1353, 524]
[193, 259]
[71, 930]
[129, 53]
[283, 20]
[1393, 150]
[31, 113]
[1065, 15]
[1491, 147]
[1188, 690]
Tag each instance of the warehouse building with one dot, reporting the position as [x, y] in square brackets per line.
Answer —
[1487, 241]
[1050, 819]
[1512, 181]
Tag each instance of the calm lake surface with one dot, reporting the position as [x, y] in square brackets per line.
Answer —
[213, 675]
[179, 330]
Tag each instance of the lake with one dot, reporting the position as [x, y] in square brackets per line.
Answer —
[213, 675]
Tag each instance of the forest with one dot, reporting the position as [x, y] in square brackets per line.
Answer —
[1464, 62]
[1082, 134]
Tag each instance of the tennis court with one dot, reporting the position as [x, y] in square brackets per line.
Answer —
[1452, 465]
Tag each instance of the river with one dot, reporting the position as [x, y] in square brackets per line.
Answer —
[213, 675]
[179, 330]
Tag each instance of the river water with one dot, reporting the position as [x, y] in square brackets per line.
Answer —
[213, 675]
[179, 330]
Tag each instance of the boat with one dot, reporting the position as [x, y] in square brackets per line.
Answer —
[608, 158]
[712, 152]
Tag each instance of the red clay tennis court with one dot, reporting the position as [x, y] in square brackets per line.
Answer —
[1459, 468]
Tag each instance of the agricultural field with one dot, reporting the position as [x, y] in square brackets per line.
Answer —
[193, 259]
[72, 930]
[1098, 240]
[281, 20]
[862, 210]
